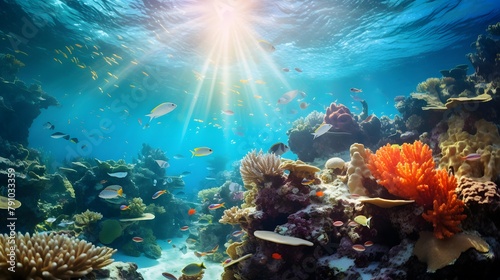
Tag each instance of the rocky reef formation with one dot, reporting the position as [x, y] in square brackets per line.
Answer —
[346, 128]
[20, 104]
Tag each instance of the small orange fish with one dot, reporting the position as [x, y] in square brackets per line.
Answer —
[276, 256]
[368, 243]
[124, 207]
[191, 211]
[320, 193]
[184, 228]
[137, 239]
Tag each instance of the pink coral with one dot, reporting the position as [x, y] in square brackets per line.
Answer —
[340, 118]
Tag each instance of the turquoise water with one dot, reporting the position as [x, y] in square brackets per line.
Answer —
[207, 57]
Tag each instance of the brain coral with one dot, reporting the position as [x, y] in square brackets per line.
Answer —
[51, 256]
[340, 118]
[457, 143]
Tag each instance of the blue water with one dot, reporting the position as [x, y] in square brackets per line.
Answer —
[205, 56]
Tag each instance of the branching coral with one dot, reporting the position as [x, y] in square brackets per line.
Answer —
[51, 256]
[409, 173]
[256, 166]
[446, 213]
[85, 218]
[405, 171]
[235, 215]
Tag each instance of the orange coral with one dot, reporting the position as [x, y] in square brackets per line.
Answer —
[405, 172]
[409, 173]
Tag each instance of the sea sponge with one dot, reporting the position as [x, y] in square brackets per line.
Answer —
[111, 229]
[457, 143]
[85, 218]
[438, 253]
[51, 256]
[357, 169]
[256, 167]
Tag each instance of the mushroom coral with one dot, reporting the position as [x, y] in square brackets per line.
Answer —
[408, 172]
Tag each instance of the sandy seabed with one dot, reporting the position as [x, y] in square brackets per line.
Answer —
[172, 260]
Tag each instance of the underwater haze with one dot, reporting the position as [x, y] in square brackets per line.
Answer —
[205, 57]
[165, 104]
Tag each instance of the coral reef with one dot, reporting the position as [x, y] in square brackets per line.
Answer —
[18, 103]
[115, 271]
[472, 192]
[463, 138]
[341, 119]
[485, 61]
[51, 256]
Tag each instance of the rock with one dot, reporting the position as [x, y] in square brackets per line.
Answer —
[116, 271]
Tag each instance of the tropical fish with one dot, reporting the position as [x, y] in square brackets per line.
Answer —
[368, 243]
[178, 156]
[65, 223]
[303, 105]
[298, 69]
[162, 163]
[307, 181]
[158, 193]
[49, 125]
[322, 129]
[201, 151]
[237, 233]
[210, 178]
[51, 220]
[358, 247]
[265, 45]
[137, 239]
[58, 135]
[124, 207]
[226, 261]
[362, 220]
[191, 241]
[118, 174]
[184, 228]
[74, 140]
[288, 96]
[215, 206]
[285, 69]
[199, 255]
[169, 276]
[338, 223]
[278, 149]
[276, 256]
[472, 157]
[355, 90]
[227, 112]
[320, 193]
[111, 192]
[191, 211]
[184, 174]
[162, 109]
[193, 269]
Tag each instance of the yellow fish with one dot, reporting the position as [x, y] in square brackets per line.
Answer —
[363, 220]
[201, 151]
